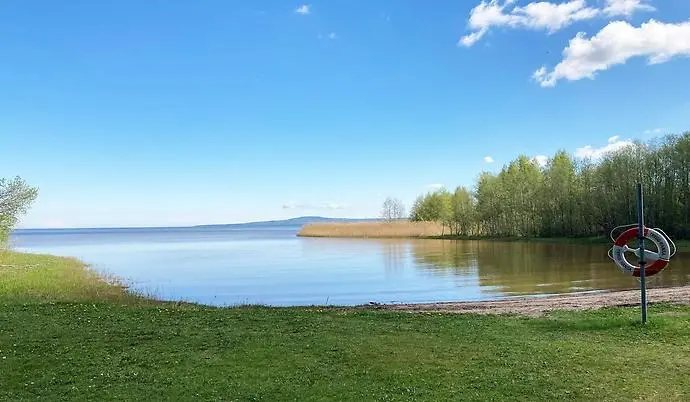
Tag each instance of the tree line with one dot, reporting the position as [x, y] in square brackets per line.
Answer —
[571, 197]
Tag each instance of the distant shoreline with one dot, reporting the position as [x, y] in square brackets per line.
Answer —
[291, 222]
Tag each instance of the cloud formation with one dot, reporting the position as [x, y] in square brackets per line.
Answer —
[541, 15]
[614, 144]
[323, 206]
[615, 44]
[304, 9]
[625, 7]
[488, 159]
[654, 131]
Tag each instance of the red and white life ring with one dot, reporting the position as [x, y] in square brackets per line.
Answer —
[656, 262]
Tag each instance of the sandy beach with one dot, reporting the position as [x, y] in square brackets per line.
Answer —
[536, 306]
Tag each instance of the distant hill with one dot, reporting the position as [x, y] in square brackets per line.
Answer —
[300, 221]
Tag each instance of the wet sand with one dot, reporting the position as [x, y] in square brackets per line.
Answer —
[536, 306]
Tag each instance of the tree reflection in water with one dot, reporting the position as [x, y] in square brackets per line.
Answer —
[519, 268]
[498, 268]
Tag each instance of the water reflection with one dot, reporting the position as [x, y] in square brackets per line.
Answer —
[518, 268]
[393, 254]
[273, 266]
[444, 257]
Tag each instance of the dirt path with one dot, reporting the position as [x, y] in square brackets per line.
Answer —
[536, 306]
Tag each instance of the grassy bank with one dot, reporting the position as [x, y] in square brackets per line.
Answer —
[32, 278]
[94, 342]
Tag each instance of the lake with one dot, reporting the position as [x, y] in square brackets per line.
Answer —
[223, 266]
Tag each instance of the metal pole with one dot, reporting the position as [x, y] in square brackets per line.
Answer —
[640, 235]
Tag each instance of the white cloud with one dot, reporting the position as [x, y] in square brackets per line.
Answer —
[654, 131]
[322, 206]
[626, 7]
[554, 17]
[541, 15]
[484, 16]
[304, 9]
[540, 160]
[470, 39]
[435, 186]
[614, 144]
[488, 159]
[615, 44]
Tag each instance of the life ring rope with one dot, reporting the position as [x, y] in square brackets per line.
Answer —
[657, 261]
[613, 239]
[668, 239]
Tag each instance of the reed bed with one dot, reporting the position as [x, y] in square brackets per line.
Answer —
[400, 229]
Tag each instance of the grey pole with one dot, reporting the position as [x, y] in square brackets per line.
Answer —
[640, 236]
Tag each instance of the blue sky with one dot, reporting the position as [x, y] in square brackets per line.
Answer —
[142, 113]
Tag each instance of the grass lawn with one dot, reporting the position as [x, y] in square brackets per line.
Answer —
[66, 335]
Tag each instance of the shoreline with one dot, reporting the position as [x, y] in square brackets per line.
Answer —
[420, 230]
[87, 285]
[432, 231]
[535, 306]
[71, 334]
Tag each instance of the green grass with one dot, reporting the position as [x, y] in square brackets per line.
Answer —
[105, 346]
[43, 278]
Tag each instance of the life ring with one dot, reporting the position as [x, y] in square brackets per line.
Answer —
[656, 262]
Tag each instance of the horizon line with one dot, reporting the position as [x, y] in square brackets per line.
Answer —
[188, 226]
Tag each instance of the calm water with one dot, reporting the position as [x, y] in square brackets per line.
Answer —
[273, 266]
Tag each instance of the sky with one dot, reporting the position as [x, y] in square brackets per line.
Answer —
[176, 112]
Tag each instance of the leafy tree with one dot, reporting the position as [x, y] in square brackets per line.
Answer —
[433, 207]
[569, 197]
[426, 209]
[442, 202]
[416, 212]
[560, 196]
[463, 212]
[15, 199]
